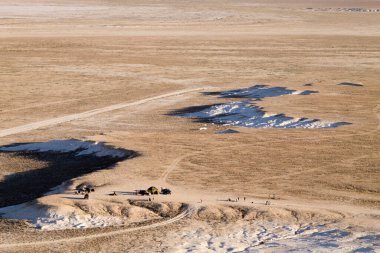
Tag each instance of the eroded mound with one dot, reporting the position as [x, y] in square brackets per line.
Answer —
[269, 214]
[246, 229]
[81, 214]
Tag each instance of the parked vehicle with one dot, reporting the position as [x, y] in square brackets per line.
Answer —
[143, 192]
[166, 191]
[153, 190]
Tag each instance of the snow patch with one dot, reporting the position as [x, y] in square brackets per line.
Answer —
[46, 218]
[271, 237]
[247, 115]
[259, 91]
[58, 189]
[80, 148]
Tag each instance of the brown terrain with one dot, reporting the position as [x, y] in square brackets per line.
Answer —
[60, 58]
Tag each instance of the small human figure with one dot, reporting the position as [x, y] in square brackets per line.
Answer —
[244, 198]
[150, 199]
[238, 199]
[86, 196]
[229, 199]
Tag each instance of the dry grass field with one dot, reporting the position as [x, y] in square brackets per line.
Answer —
[60, 58]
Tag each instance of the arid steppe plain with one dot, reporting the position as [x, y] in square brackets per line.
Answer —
[111, 71]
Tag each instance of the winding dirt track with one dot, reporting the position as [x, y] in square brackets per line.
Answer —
[182, 215]
[67, 118]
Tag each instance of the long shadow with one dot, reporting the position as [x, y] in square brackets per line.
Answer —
[21, 187]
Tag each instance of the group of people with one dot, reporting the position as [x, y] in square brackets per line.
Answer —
[85, 191]
[267, 203]
[236, 200]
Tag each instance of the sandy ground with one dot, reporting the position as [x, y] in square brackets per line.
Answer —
[111, 71]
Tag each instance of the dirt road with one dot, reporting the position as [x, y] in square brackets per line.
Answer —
[188, 211]
[67, 118]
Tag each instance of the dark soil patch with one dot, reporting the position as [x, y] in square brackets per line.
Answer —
[351, 84]
[228, 131]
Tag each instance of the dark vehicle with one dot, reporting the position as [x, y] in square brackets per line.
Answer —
[153, 190]
[143, 192]
[89, 189]
[166, 191]
[84, 188]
